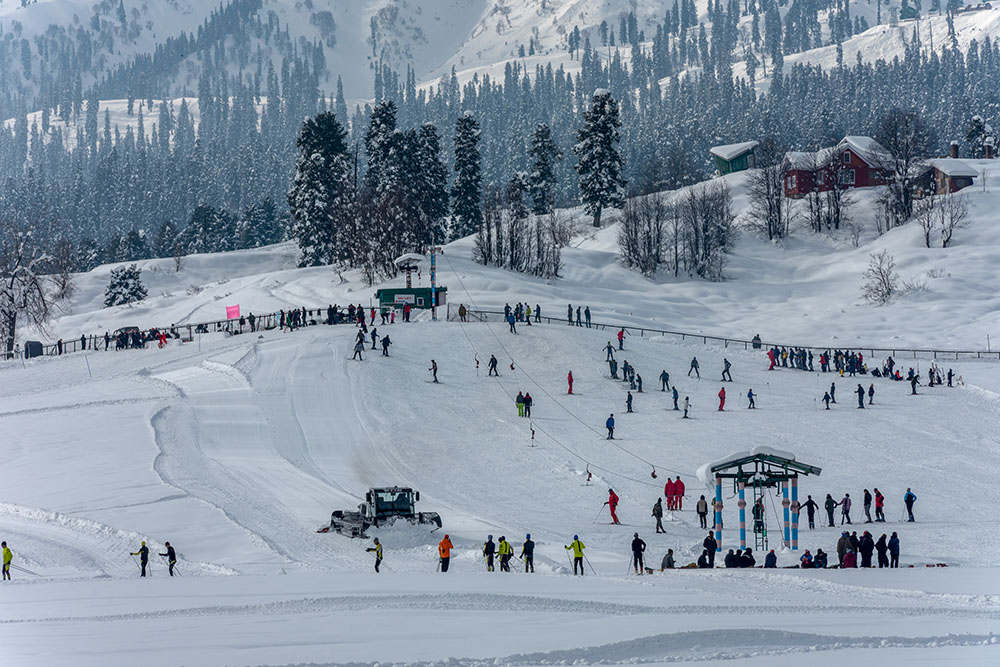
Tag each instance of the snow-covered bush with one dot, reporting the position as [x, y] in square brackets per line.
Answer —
[125, 286]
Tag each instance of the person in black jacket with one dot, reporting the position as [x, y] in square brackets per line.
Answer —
[865, 548]
[528, 554]
[703, 559]
[638, 546]
[171, 557]
[731, 559]
[830, 504]
[810, 507]
[489, 549]
[710, 546]
[882, 548]
[143, 554]
[747, 559]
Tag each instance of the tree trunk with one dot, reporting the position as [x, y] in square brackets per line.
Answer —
[597, 217]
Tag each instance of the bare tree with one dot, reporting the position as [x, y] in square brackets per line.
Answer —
[23, 294]
[768, 208]
[708, 229]
[925, 211]
[838, 197]
[908, 140]
[642, 233]
[954, 215]
[61, 267]
[881, 279]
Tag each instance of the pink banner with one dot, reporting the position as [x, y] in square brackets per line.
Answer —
[233, 312]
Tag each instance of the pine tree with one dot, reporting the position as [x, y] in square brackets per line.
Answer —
[380, 130]
[542, 181]
[466, 190]
[321, 198]
[125, 286]
[599, 162]
[431, 183]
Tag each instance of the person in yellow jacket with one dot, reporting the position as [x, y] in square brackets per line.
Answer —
[7, 558]
[377, 550]
[444, 552]
[577, 548]
[506, 552]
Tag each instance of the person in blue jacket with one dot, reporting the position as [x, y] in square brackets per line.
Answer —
[610, 424]
[909, 498]
[894, 551]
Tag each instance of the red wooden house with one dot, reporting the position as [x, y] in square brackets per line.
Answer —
[856, 162]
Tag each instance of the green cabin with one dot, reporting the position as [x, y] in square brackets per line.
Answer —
[417, 297]
[734, 157]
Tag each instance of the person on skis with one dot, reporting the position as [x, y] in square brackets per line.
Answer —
[687, 404]
[444, 552]
[506, 552]
[569, 381]
[909, 498]
[871, 393]
[658, 515]
[143, 554]
[722, 399]
[528, 402]
[577, 547]
[826, 399]
[377, 550]
[845, 509]
[879, 506]
[528, 554]
[664, 380]
[385, 345]
[860, 391]
[489, 549]
[434, 370]
[610, 425]
[621, 338]
[492, 365]
[628, 402]
[726, 375]
[678, 493]
[694, 367]
[171, 557]
[612, 503]
[833, 392]
[638, 547]
[609, 348]
[829, 505]
[750, 397]
[358, 348]
[810, 507]
[675, 395]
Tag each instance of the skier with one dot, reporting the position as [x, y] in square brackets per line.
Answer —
[434, 370]
[860, 391]
[610, 425]
[506, 552]
[143, 554]
[702, 509]
[510, 321]
[569, 381]
[586, 315]
[829, 505]
[171, 557]
[577, 548]
[668, 561]
[722, 399]
[638, 382]
[668, 491]
[694, 367]
[374, 336]
[519, 401]
[675, 396]
[621, 338]
[628, 402]
[678, 493]
[811, 507]
[610, 350]
[638, 546]
[687, 404]
[612, 503]
[444, 552]
[377, 550]
[750, 397]
[538, 314]
[7, 558]
[871, 393]
[827, 398]
[882, 548]
[528, 554]
[489, 548]
[867, 502]
[833, 392]
[658, 515]
[894, 551]
[726, 375]
[385, 346]
[845, 509]
[909, 498]
[578, 322]
[879, 506]
[569, 314]
[913, 384]
[664, 380]
[770, 358]
[950, 373]
[492, 365]
[528, 401]
[711, 546]
[358, 347]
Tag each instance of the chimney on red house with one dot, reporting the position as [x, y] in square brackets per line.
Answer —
[989, 150]
[954, 149]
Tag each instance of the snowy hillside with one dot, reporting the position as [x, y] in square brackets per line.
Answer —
[237, 448]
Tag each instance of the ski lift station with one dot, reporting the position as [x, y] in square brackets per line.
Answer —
[761, 468]
[416, 297]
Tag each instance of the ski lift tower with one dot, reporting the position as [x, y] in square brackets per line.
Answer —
[409, 263]
[761, 468]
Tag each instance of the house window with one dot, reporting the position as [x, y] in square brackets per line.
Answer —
[847, 157]
[846, 177]
[791, 182]
[819, 178]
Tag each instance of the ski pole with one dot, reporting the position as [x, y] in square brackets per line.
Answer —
[136, 562]
[18, 567]
[588, 563]
[599, 512]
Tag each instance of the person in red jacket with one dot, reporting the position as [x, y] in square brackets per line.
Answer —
[678, 493]
[613, 505]
[770, 356]
[668, 491]
[722, 399]
[569, 381]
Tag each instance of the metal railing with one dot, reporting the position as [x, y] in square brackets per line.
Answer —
[725, 341]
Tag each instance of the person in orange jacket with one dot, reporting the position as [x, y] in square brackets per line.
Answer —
[612, 504]
[668, 491]
[569, 381]
[722, 399]
[444, 551]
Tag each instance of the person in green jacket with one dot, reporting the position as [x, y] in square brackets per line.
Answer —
[377, 550]
[7, 558]
[577, 547]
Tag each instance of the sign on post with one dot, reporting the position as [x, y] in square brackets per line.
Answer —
[233, 312]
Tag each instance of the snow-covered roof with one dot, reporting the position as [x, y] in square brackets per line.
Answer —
[704, 471]
[409, 259]
[953, 168]
[808, 160]
[601, 91]
[867, 149]
[732, 151]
